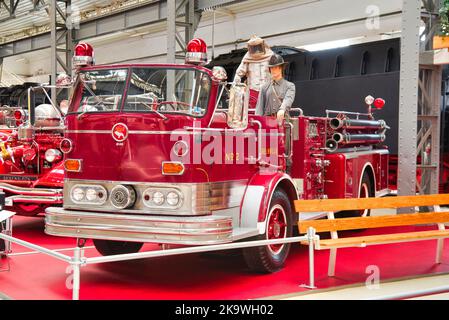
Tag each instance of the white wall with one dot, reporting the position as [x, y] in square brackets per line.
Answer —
[269, 21]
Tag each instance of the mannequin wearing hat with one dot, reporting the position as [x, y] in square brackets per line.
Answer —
[277, 95]
[254, 67]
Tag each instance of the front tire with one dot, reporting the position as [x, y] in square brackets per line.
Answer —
[108, 247]
[269, 259]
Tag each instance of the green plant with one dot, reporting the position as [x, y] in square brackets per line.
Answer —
[444, 18]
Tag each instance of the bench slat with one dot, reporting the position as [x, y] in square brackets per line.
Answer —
[373, 222]
[370, 203]
[380, 239]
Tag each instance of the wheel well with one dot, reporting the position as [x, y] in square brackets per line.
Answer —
[290, 189]
[370, 172]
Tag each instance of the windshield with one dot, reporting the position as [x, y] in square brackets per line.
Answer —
[183, 91]
[153, 90]
[101, 90]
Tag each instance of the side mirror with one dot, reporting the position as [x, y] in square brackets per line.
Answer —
[64, 107]
[238, 106]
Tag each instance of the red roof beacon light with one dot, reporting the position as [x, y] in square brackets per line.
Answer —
[379, 103]
[196, 52]
[84, 55]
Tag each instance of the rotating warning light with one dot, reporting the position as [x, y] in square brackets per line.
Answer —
[196, 52]
[84, 55]
[379, 103]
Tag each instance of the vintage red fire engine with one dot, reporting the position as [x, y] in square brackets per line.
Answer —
[155, 157]
[31, 167]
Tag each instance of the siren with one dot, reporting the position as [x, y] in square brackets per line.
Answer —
[84, 55]
[196, 52]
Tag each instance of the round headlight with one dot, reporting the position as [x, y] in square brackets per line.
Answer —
[52, 155]
[91, 194]
[158, 198]
[78, 194]
[66, 145]
[172, 198]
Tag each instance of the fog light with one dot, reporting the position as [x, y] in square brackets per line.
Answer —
[91, 194]
[172, 198]
[52, 155]
[158, 198]
[78, 194]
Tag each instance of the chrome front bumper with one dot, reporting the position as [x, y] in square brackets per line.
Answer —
[199, 230]
[31, 195]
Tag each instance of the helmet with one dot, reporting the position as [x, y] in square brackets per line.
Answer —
[276, 60]
[46, 116]
[63, 80]
[256, 46]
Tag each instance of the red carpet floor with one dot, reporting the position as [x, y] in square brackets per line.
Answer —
[201, 276]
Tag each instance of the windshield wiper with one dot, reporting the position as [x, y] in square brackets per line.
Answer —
[155, 111]
[93, 95]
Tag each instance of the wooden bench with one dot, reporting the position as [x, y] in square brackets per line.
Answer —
[333, 225]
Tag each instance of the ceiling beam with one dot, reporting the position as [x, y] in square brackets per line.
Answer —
[145, 15]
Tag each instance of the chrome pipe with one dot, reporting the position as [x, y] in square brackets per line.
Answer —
[362, 138]
[198, 249]
[337, 124]
[29, 191]
[34, 199]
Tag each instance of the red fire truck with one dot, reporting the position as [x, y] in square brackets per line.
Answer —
[31, 167]
[151, 155]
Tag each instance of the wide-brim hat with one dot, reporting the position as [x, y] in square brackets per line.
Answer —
[276, 60]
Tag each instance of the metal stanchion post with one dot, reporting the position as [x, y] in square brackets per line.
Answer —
[76, 264]
[311, 235]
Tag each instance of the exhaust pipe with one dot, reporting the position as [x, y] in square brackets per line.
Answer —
[337, 123]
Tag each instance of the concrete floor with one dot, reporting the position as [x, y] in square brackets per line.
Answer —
[384, 290]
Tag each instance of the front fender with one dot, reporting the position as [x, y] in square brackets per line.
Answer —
[257, 198]
[53, 178]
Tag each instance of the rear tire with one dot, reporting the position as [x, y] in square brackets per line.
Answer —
[366, 190]
[108, 247]
[269, 259]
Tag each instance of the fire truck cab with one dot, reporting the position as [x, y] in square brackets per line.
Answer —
[150, 156]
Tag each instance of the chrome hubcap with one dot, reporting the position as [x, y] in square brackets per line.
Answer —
[276, 227]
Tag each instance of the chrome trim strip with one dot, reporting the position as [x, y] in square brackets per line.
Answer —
[158, 229]
[225, 131]
[355, 154]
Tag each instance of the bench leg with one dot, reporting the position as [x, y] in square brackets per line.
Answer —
[440, 245]
[332, 260]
